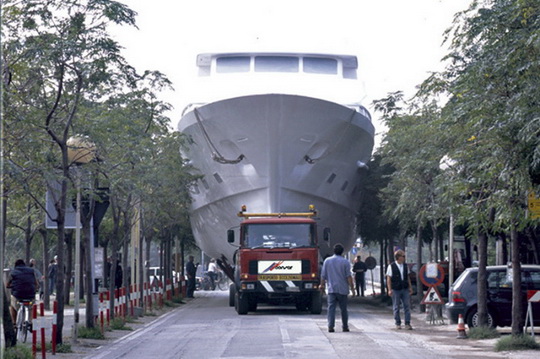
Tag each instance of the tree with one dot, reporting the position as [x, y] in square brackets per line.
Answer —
[492, 84]
[57, 54]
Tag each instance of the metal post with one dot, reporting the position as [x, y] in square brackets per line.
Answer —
[77, 284]
[451, 253]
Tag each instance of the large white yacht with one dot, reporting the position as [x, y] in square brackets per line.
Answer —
[276, 132]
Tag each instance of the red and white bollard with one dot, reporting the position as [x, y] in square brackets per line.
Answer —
[42, 327]
[34, 330]
[54, 326]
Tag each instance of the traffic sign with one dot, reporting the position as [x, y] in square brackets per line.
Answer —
[431, 274]
[533, 205]
[432, 297]
[533, 295]
[370, 262]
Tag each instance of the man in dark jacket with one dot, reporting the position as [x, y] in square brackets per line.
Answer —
[23, 283]
[399, 288]
[359, 269]
[191, 271]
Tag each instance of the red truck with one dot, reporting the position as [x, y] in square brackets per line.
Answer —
[277, 262]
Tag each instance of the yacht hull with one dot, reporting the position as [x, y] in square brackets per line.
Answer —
[276, 153]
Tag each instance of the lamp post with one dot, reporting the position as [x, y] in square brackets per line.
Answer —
[445, 164]
[80, 151]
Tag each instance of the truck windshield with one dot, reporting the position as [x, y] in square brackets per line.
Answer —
[274, 235]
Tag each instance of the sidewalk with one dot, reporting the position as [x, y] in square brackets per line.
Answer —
[83, 347]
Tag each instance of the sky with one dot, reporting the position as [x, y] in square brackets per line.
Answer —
[397, 42]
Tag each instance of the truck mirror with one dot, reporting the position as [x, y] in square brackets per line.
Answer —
[230, 236]
[326, 234]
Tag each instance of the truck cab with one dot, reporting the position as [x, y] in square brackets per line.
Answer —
[277, 261]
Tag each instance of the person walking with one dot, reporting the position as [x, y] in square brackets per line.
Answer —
[336, 274]
[23, 283]
[39, 276]
[52, 269]
[399, 288]
[191, 272]
[359, 269]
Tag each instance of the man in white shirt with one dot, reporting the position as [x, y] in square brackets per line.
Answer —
[399, 288]
[212, 273]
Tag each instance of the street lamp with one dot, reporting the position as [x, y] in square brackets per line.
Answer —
[80, 150]
[447, 164]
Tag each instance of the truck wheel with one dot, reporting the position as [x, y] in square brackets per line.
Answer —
[303, 302]
[252, 304]
[241, 303]
[316, 303]
[232, 293]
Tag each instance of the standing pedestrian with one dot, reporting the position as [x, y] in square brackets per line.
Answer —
[191, 272]
[336, 274]
[359, 269]
[39, 276]
[399, 288]
[212, 273]
[52, 269]
[118, 275]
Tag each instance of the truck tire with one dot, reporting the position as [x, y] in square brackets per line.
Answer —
[302, 304]
[252, 304]
[241, 303]
[232, 293]
[316, 303]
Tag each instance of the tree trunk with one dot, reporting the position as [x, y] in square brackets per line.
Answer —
[70, 245]
[435, 240]
[9, 333]
[46, 259]
[533, 240]
[517, 321]
[482, 279]
[419, 286]
[60, 276]
[89, 268]
[382, 267]
[28, 236]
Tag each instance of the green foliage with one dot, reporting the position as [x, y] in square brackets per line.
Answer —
[64, 348]
[119, 324]
[65, 75]
[18, 352]
[90, 333]
[520, 342]
[482, 113]
[483, 333]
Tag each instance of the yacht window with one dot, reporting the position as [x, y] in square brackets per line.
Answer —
[320, 65]
[218, 178]
[331, 178]
[233, 64]
[205, 184]
[276, 64]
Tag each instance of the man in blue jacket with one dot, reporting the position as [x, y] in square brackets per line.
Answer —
[23, 284]
[336, 274]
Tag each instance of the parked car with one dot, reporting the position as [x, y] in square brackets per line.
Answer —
[463, 295]
[155, 275]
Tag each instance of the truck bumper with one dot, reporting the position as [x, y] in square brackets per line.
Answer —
[278, 289]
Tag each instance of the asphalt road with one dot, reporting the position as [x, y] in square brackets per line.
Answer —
[206, 327]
